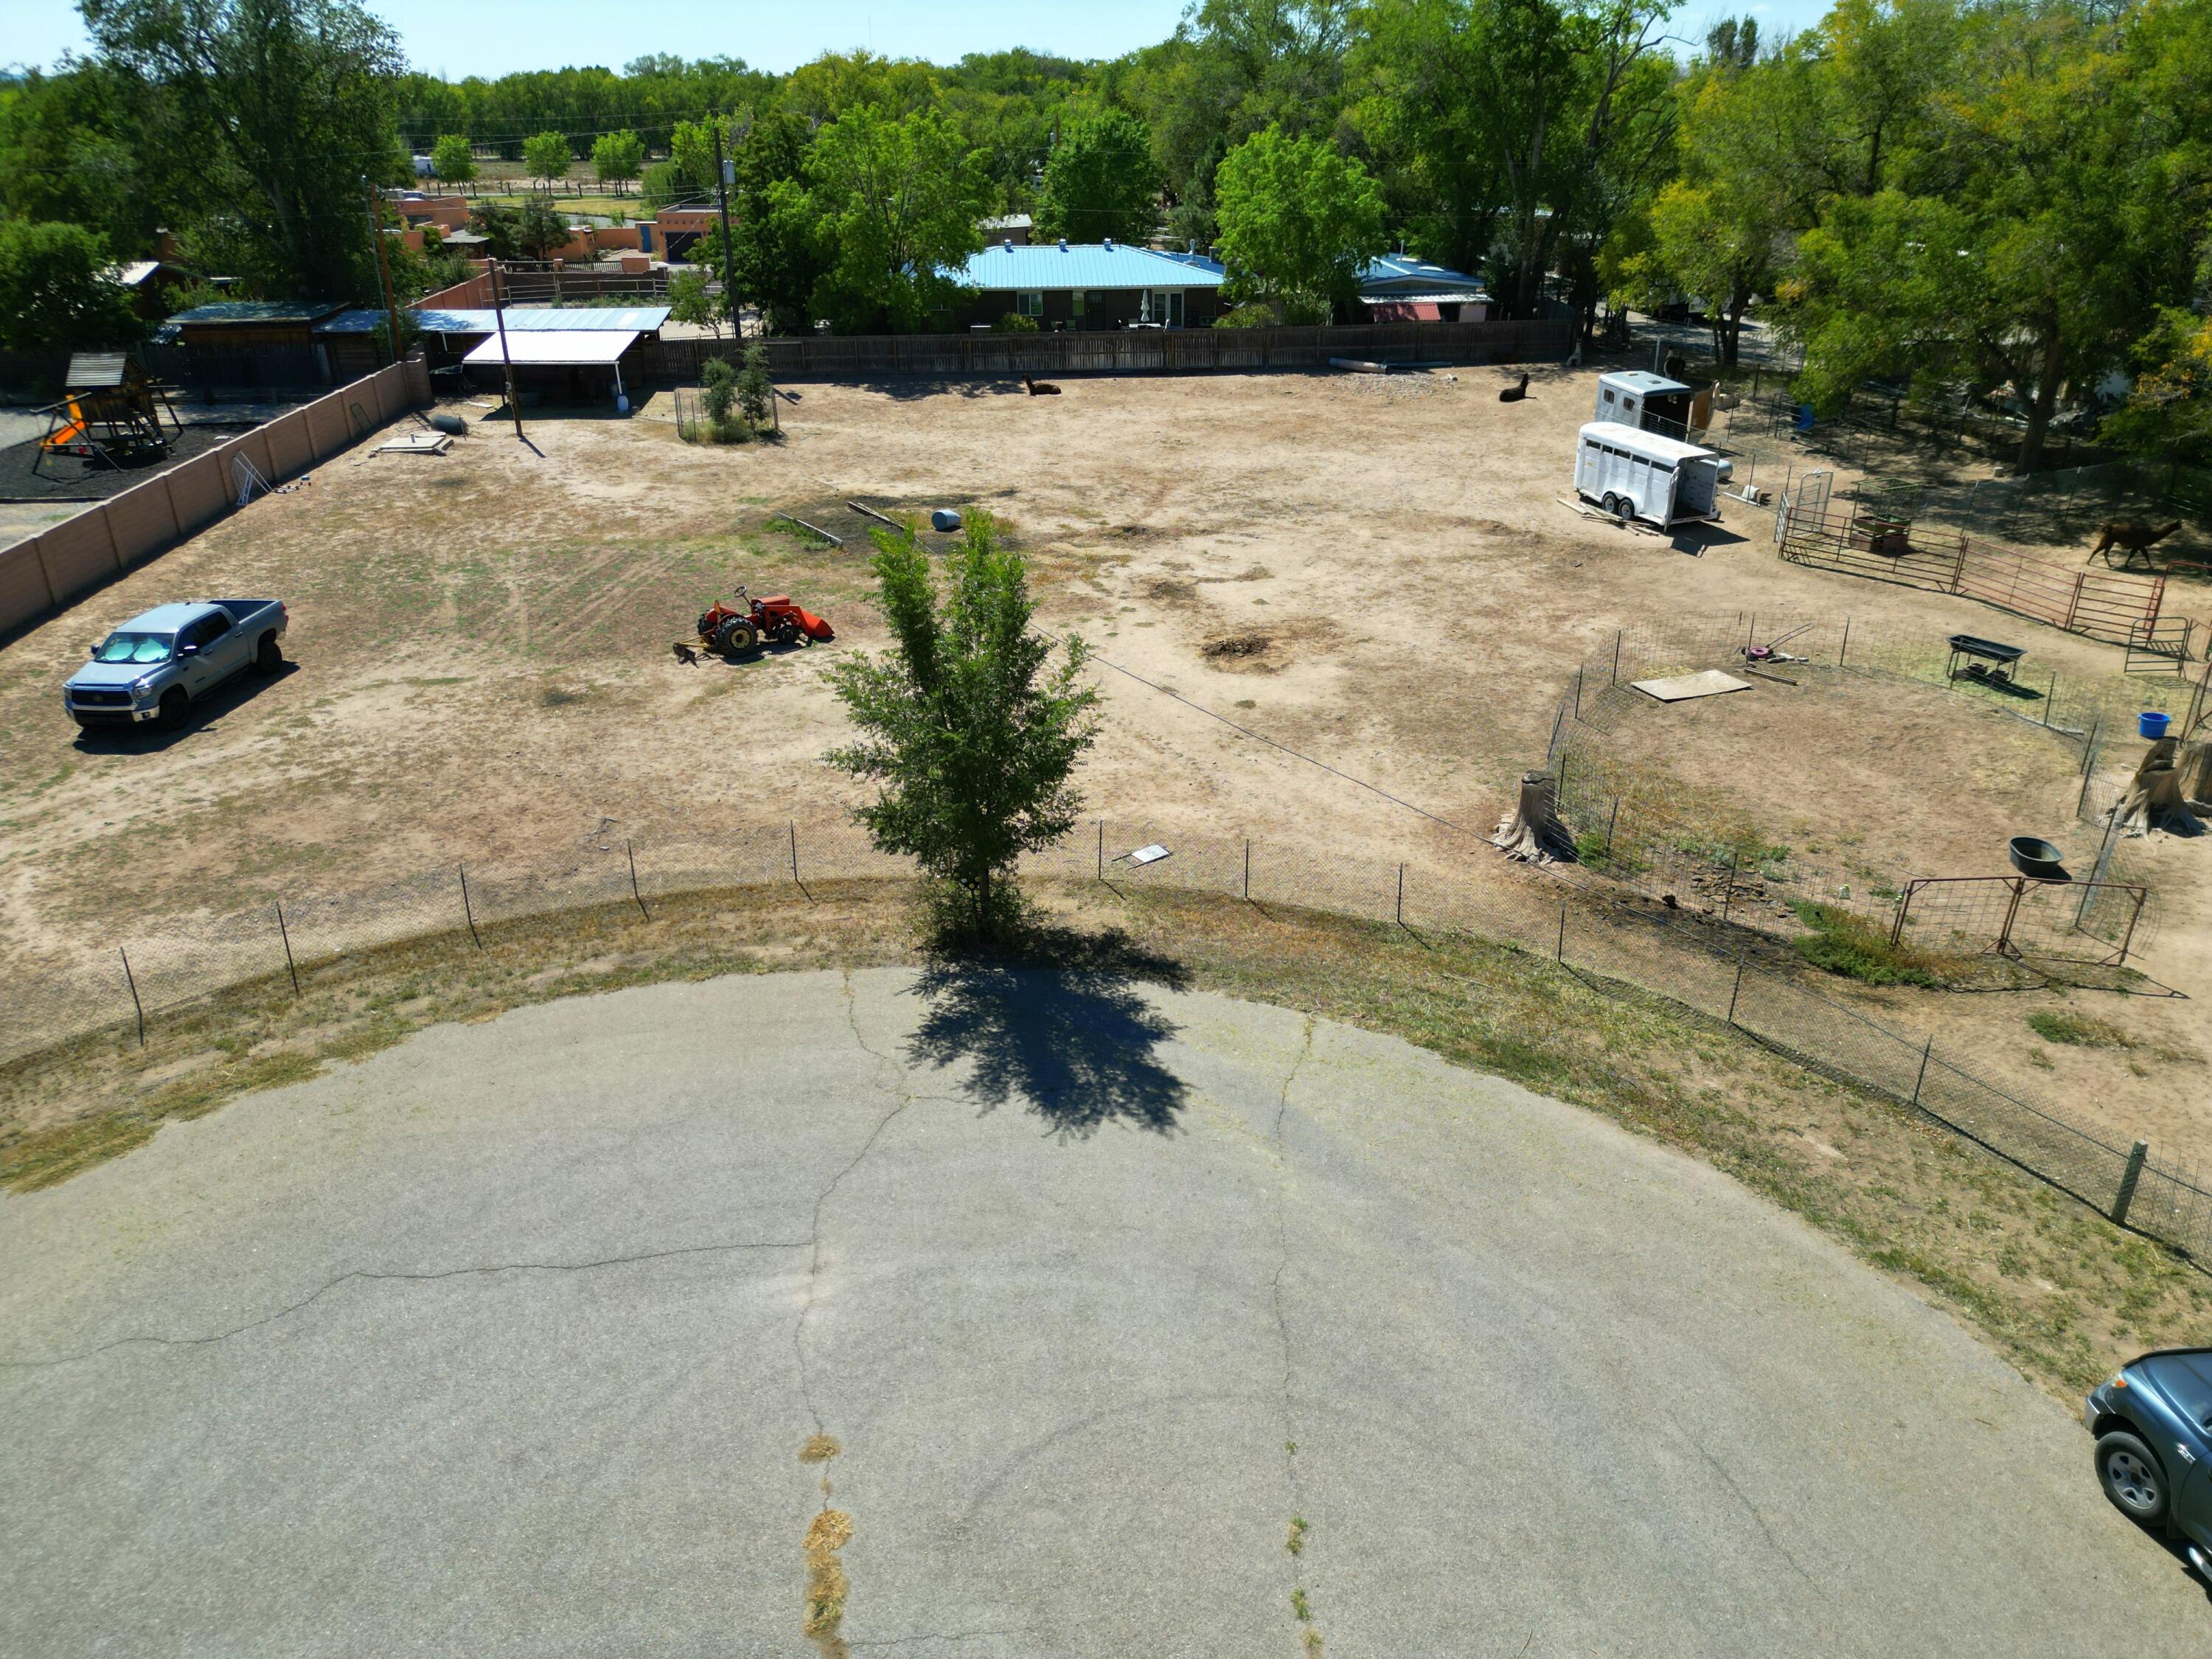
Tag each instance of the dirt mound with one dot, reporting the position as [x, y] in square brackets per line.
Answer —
[1241, 651]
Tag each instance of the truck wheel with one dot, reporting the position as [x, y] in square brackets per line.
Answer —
[176, 709]
[2132, 1478]
[737, 638]
[268, 656]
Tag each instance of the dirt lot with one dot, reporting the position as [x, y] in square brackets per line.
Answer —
[1377, 573]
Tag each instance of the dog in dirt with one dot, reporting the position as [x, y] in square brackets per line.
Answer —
[1040, 388]
[686, 655]
[1514, 394]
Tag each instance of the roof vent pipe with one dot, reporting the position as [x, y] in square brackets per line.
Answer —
[1110, 244]
[1009, 244]
[1063, 244]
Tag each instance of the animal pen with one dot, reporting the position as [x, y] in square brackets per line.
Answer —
[2115, 607]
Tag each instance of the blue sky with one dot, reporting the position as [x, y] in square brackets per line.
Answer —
[490, 37]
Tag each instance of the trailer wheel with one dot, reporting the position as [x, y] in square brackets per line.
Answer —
[1612, 504]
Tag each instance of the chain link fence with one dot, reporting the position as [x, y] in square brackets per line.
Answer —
[1709, 964]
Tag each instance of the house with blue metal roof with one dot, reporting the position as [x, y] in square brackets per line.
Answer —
[1088, 285]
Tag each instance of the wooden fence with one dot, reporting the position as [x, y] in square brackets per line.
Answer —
[1130, 351]
[108, 537]
[2103, 604]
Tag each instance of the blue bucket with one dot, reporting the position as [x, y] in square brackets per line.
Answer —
[2151, 725]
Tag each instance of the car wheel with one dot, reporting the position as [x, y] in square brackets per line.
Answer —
[2132, 1478]
[176, 708]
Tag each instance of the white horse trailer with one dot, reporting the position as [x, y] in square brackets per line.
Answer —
[1641, 475]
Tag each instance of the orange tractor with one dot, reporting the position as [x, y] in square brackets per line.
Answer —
[741, 627]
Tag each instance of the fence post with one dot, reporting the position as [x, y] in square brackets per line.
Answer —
[1616, 656]
[1737, 989]
[285, 933]
[467, 909]
[1846, 646]
[1578, 694]
[1401, 895]
[1248, 868]
[1561, 955]
[1101, 849]
[2125, 1199]
[1927, 1049]
[630, 853]
[2051, 697]
[132, 980]
[1612, 820]
[1728, 894]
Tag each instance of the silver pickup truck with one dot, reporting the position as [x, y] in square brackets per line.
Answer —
[154, 667]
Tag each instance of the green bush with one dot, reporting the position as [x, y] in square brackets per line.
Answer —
[1014, 323]
[1251, 316]
[2078, 1030]
[1851, 945]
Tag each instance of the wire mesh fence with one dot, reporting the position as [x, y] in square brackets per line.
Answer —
[1712, 964]
[2108, 913]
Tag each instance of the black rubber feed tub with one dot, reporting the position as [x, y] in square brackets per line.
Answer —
[2033, 856]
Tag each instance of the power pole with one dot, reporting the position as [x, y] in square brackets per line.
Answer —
[725, 173]
[383, 270]
[498, 316]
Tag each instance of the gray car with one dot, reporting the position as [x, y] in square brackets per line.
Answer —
[2153, 1421]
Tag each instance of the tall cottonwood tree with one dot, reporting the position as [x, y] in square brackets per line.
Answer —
[969, 730]
[284, 105]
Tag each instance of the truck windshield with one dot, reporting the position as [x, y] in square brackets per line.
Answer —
[135, 647]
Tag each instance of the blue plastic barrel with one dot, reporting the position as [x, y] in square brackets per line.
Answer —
[2151, 724]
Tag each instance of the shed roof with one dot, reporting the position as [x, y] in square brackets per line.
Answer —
[248, 312]
[539, 320]
[565, 349]
[1082, 265]
[1402, 275]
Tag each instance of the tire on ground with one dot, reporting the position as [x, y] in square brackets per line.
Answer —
[2132, 1478]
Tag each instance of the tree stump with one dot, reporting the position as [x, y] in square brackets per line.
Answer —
[1533, 831]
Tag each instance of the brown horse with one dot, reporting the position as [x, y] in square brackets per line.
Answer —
[2130, 539]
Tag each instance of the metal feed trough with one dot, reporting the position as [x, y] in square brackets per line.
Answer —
[1987, 660]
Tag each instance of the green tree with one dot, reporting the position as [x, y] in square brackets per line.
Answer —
[969, 732]
[501, 226]
[280, 107]
[896, 203]
[546, 157]
[1101, 182]
[718, 392]
[55, 291]
[689, 301]
[1298, 223]
[453, 160]
[618, 157]
[544, 229]
[755, 392]
[1716, 241]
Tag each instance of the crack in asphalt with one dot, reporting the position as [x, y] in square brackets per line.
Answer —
[1753, 1509]
[1282, 1321]
[905, 1097]
[373, 1275]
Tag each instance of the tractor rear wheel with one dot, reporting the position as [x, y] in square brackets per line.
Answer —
[737, 638]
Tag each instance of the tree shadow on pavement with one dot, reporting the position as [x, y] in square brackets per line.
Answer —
[1059, 1024]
